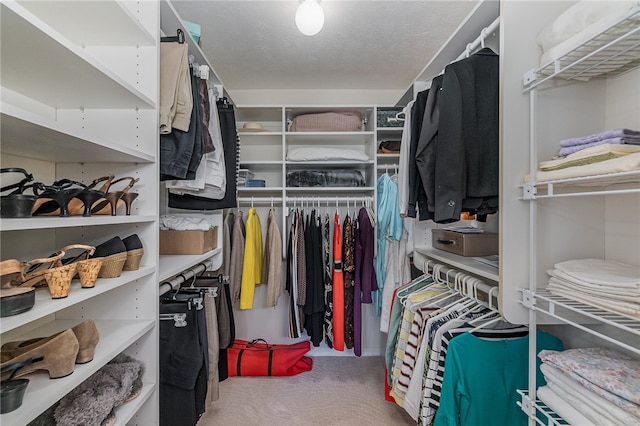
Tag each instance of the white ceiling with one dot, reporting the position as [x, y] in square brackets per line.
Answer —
[364, 45]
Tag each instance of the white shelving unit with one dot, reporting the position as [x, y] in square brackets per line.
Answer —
[171, 265]
[75, 105]
[585, 217]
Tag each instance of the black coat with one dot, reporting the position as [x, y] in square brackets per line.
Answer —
[467, 165]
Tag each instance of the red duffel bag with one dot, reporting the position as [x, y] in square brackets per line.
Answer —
[259, 358]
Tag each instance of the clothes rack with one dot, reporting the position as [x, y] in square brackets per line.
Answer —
[179, 37]
[465, 284]
[337, 200]
[260, 200]
[479, 41]
[175, 282]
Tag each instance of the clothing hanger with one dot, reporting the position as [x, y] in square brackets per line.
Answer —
[177, 38]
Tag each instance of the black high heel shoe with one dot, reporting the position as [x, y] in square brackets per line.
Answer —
[18, 203]
[56, 198]
[85, 198]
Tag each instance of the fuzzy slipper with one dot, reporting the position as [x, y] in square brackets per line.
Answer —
[91, 403]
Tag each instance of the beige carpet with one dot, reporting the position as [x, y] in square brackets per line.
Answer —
[337, 391]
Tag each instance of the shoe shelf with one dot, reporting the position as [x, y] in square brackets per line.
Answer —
[35, 49]
[583, 316]
[171, 265]
[44, 222]
[44, 305]
[56, 141]
[126, 411]
[42, 392]
[93, 22]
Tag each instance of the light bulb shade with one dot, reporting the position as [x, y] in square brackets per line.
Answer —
[309, 17]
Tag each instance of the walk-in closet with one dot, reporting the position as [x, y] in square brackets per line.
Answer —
[320, 212]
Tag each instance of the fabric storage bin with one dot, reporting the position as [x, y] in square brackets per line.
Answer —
[388, 117]
[325, 178]
[332, 121]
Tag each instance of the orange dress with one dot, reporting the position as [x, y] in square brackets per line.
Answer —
[338, 287]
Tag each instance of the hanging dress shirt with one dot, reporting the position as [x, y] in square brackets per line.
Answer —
[301, 269]
[338, 287]
[328, 290]
[389, 226]
[291, 279]
[358, 256]
[272, 265]
[252, 267]
[348, 256]
[403, 161]
[314, 306]
[237, 258]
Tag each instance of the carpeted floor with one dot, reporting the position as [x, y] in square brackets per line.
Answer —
[337, 391]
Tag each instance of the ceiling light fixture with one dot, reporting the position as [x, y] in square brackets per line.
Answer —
[309, 17]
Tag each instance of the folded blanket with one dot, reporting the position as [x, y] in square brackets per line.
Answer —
[610, 374]
[562, 407]
[597, 137]
[614, 141]
[615, 165]
[613, 288]
[589, 155]
[605, 295]
[585, 400]
[601, 271]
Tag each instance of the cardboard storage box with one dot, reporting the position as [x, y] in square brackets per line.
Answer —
[188, 242]
[464, 244]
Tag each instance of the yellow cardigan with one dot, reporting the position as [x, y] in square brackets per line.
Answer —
[252, 266]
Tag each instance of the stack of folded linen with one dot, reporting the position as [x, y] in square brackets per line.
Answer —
[606, 284]
[614, 137]
[591, 386]
[596, 160]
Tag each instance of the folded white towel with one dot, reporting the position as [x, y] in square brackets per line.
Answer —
[184, 223]
[601, 271]
[562, 407]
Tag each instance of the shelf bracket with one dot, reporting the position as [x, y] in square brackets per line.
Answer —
[529, 191]
[529, 77]
[528, 299]
[528, 406]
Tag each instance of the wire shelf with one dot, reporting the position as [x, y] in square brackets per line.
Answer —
[551, 302]
[547, 415]
[611, 52]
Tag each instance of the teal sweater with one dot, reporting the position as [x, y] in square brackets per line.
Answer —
[481, 377]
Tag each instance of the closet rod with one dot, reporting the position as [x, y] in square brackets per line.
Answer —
[388, 166]
[274, 200]
[174, 283]
[337, 199]
[480, 39]
[469, 283]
